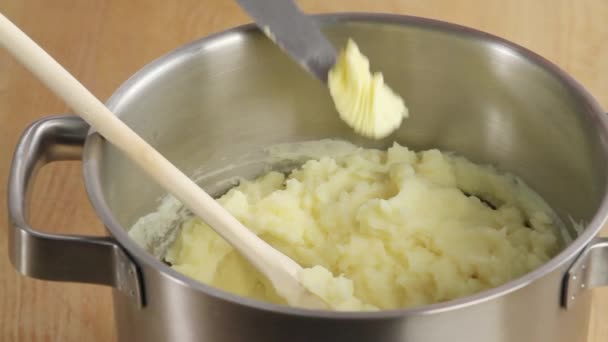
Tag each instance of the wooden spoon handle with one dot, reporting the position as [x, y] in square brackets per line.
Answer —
[280, 269]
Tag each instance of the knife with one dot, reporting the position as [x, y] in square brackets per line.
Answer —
[294, 32]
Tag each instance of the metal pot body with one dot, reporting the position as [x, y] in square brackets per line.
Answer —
[221, 100]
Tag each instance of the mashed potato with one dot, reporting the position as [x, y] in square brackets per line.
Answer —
[379, 230]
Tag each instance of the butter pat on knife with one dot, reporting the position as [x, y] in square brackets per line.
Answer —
[362, 99]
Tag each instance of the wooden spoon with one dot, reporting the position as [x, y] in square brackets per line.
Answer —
[282, 271]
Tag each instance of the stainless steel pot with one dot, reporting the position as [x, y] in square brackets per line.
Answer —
[215, 100]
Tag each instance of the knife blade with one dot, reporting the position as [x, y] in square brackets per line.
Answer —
[296, 33]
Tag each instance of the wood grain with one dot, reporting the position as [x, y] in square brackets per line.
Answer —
[102, 42]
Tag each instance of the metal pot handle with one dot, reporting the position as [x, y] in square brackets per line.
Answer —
[84, 259]
[590, 270]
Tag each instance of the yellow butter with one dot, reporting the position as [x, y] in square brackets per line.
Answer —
[362, 99]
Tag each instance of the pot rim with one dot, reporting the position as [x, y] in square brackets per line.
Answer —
[93, 144]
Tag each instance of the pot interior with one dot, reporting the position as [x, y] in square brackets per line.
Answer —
[213, 106]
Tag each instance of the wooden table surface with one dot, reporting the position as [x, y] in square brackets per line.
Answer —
[102, 42]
